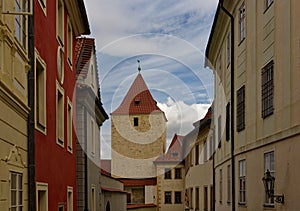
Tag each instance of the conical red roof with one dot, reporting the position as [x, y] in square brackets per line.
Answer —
[138, 99]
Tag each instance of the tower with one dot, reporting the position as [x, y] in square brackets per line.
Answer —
[138, 133]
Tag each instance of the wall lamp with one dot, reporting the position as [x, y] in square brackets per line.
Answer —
[269, 181]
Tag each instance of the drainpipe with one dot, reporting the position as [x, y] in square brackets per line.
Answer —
[85, 163]
[232, 102]
[30, 123]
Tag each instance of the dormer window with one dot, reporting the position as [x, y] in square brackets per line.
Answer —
[137, 101]
[174, 154]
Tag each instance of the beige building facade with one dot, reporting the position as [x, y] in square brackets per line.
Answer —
[14, 60]
[198, 184]
[260, 77]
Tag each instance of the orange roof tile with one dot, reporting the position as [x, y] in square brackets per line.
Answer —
[135, 206]
[138, 99]
[138, 182]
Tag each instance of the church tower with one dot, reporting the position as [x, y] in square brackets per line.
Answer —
[138, 133]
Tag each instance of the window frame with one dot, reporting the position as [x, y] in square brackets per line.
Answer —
[267, 4]
[21, 24]
[177, 195]
[17, 189]
[168, 197]
[69, 42]
[69, 126]
[42, 187]
[60, 26]
[178, 173]
[43, 5]
[60, 137]
[228, 183]
[168, 173]
[240, 109]
[40, 125]
[269, 156]
[242, 182]
[242, 22]
[135, 121]
[70, 202]
[93, 137]
[267, 90]
[220, 186]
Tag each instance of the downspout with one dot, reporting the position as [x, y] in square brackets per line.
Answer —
[232, 102]
[85, 163]
[30, 123]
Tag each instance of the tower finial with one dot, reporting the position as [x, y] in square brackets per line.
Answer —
[139, 67]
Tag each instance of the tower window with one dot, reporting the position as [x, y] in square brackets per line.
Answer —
[136, 121]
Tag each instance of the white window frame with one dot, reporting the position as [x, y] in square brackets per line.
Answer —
[60, 64]
[69, 126]
[21, 23]
[242, 22]
[268, 165]
[41, 187]
[220, 186]
[40, 125]
[242, 180]
[93, 198]
[60, 137]
[268, 3]
[17, 189]
[70, 201]
[69, 42]
[93, 137]
[60, 26]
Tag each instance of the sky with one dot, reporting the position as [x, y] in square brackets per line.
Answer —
[169, 38]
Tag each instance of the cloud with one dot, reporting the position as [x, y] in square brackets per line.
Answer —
[181, 116]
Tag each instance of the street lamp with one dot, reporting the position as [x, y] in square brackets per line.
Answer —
[269, 181]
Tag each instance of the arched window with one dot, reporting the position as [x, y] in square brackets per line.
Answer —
[107, 206]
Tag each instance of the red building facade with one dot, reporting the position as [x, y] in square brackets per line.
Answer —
[57, 24]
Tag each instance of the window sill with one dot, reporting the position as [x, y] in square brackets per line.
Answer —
[242, 204]
[269, 206]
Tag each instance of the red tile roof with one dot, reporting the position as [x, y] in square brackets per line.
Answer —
[138, 182]
[174, 153]
[135, 206]
[138, 99]
[106, 167]
[84, 49]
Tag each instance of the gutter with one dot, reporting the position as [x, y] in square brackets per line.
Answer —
[30, 123]
[232, 102]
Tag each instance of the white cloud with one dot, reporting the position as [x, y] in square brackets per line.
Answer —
[181, 116]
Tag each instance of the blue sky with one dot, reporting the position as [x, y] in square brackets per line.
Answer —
[169, 38]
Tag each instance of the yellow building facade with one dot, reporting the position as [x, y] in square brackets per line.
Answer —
[13, 108]
[260, 79]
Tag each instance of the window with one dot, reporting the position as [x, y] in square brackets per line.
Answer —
[70, 199]
[40, 93]
[205, 151]
[197, 199]
[16, 191]
[136, 121]
[69, 125]
[242, 182]
[42, 196]
[70, 43]
[61, 207]
[268, 3]
[269, 164]
[93, 199]
[60, 22]
[60, 115]
[240, 116]
[228, 122]
[93, 137]
[60, 65]
[242, 22]
[197, 154]
[168, 199]
[175, 154]
[267, 90]
[178, 197]
[228, 49]
[177, 173]
[205, 204]
[191, 199]
[20, 23]
[168, 173]
[221, 186]
[228, 184]
[43, 4]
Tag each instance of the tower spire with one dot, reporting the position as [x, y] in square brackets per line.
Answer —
[139, 67]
